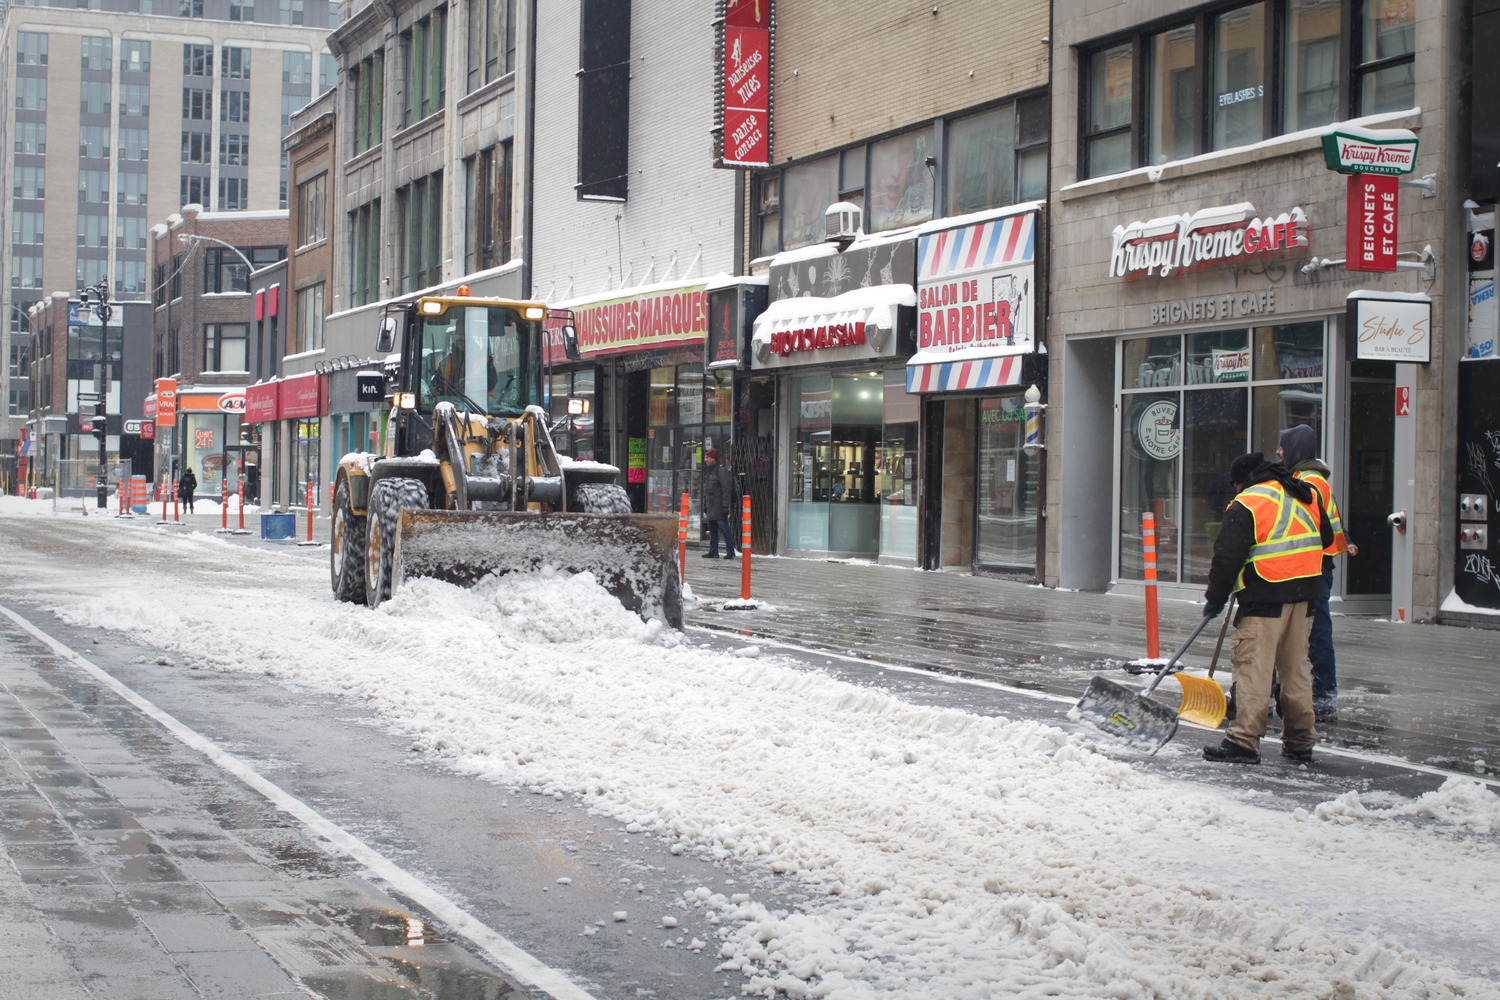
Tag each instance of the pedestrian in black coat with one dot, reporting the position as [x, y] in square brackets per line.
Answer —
[716, 494]
[186, 486]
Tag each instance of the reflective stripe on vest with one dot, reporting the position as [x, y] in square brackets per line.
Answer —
[1288, 537]
[1336, 521]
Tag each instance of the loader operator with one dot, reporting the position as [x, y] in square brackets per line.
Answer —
[1270, 552]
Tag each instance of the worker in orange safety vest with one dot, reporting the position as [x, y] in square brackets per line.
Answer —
[1269, 553]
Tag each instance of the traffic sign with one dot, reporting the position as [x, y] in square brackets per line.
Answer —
[90, 397]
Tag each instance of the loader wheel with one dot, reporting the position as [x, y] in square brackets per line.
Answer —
[388, 498]
[600, 498]
[346, 554]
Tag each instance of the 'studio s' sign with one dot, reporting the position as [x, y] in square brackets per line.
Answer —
[1179, 242]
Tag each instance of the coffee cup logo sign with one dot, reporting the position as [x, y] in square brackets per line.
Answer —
[1158, 432]
[1181, 242]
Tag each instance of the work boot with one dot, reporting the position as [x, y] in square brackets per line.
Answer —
[1326, 709]
[1230, 753]
[1300, 756]
[709, 555]
[729, 555]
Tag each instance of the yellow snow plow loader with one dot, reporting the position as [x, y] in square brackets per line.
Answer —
[468, 482]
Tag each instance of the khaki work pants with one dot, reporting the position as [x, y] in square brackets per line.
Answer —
[1263, 646]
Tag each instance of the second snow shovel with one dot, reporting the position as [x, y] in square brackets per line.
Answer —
[1203, 700]
[1133, 715]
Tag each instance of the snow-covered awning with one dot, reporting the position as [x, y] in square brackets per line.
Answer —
[857, 325]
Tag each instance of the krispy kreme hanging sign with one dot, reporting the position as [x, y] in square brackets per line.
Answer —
[1183, 242]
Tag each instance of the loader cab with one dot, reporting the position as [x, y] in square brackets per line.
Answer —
[481, 355]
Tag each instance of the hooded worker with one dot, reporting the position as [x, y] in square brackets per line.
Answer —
[1298, 450]
[1269, 552]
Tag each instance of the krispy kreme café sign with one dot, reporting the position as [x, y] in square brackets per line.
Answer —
[645, 319]
[1183, 242]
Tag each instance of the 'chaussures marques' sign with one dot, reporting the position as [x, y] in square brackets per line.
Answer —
[1181, 242]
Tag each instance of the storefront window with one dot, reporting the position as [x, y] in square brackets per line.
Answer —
[1240, 389]
[1155, 361]
[308, 452]
[901, 183]
[1239, 56]
[1173, 97]
[896, 470]
[838, 432]
[1008, 490]
[684, 412]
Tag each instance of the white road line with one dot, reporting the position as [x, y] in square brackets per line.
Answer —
[1368, 758]
[508, 956]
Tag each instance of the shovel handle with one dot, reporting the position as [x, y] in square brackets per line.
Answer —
[1202, 624]
[1223, 631]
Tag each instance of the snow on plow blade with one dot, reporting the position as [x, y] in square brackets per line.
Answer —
[631, 555]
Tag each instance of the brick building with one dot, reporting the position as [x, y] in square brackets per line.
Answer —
[203, 310]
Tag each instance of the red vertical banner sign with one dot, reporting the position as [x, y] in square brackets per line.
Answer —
[1371, 233]
[744, 90]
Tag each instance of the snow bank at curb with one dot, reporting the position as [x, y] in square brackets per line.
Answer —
[952, 855]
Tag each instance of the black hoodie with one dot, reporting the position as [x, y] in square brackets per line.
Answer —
[1260, 598]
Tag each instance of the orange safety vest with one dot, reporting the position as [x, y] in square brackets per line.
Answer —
[1288, 534]
[1318, 482]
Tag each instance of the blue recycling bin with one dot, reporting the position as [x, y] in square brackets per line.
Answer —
[278, 527]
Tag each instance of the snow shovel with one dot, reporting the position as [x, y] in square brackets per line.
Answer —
[1203, 700]
[1132, 715]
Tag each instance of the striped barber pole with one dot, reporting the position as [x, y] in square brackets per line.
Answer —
[1009, 240]
[954, 376]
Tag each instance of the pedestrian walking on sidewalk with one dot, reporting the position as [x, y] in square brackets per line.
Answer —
[1270, 553]
[716, 495]
[186, 486]
[1298, 447]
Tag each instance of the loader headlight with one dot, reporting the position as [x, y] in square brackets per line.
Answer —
[406, 400]
[535, 312]
[432, 308]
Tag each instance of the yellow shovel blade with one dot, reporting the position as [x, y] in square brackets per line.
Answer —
[1202, 700]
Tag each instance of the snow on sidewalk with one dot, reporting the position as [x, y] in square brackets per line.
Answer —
[953, 855]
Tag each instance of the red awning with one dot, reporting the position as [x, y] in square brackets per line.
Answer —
[262, 403]
[303, 396]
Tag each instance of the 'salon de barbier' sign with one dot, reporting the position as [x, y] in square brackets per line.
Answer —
[1179, 242]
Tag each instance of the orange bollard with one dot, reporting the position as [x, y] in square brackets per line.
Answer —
[176, 514]
[745, 547]
[223, 506]
[164, 502]
[310, 496]
[242, 507]
[121, 485]
[682, 520]
[1148, 546]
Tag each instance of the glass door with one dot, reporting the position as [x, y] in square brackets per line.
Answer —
[1008, 486]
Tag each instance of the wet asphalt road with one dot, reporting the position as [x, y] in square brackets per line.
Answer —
[215, 853]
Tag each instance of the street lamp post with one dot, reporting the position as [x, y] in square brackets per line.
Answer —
[105, 311]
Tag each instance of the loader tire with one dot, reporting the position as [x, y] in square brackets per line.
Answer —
[600, 498]
[347, 553]
[388, 498]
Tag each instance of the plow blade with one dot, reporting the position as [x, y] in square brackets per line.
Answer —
[631, 555]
